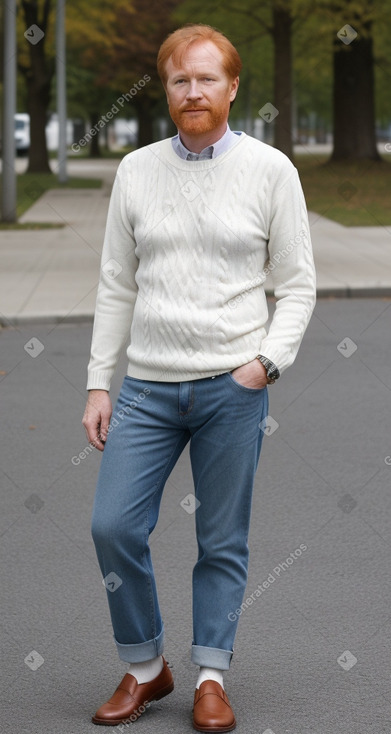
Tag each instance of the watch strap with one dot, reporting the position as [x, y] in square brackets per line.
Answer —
[272, 371]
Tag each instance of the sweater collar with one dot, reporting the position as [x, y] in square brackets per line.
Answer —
[220, 146]
[164, 150]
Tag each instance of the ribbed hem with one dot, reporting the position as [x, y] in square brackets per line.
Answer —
[174, 372]
[211, 657]
[157, 375]
[99, 380]
[142, 651]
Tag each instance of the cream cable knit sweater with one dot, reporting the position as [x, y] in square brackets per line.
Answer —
[187, 249]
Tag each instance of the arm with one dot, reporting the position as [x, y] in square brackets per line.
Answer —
[117, 290]
[293, 271]
[291, 262]
[115, 301]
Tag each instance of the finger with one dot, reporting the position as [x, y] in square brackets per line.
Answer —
[94, 435]
[98, 443]
[104, 427]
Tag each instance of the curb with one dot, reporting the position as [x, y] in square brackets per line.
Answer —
[11, 321]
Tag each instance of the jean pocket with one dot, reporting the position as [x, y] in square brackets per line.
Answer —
[243, 387]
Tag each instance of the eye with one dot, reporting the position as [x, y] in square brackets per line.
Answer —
[179, 81]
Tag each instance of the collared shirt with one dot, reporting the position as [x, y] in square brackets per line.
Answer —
[221, 146]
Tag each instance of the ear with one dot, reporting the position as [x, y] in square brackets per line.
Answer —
[234, 89]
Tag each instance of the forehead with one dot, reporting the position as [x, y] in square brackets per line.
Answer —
[201, 54]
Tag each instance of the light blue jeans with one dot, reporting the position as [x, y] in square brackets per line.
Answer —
[151, 424]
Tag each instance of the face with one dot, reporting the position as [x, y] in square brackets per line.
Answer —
[199, 92]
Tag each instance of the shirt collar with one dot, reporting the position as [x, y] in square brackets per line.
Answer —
[225, 142]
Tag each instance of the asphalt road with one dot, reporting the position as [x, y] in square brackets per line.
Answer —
[312, 653]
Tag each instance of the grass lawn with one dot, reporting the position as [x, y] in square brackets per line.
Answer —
[353, 194]
[104, 153]
[30, 186]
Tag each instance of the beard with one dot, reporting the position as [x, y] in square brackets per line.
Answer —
[210, 119]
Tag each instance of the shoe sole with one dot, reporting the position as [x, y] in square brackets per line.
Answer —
[114, 722]
[211, 730]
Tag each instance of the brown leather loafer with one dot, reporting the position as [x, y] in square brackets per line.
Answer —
[131, 699]
[212, 709]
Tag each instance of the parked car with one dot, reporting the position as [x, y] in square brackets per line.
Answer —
[22, 133]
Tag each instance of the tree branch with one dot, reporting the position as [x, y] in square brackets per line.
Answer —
[251, 14]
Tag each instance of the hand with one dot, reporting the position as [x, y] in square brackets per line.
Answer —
[253, 374]
[97, 416]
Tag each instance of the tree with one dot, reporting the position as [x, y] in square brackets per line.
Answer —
[381, 42]
[353, 91]
[37, 68]
[91, 33]
[245, 22]
[140, 32]
[351, 27]
[277, 20]
[281, 30]
[312, 84]
[119, 46]
[353, 95]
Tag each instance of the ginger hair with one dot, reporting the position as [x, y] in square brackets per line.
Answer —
[177, 43]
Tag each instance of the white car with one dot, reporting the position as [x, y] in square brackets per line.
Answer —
[22, 133]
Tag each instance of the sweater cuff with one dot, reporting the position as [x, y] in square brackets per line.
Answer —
[280, 357]
[99, 380]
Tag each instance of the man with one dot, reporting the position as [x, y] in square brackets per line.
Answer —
[195, 223]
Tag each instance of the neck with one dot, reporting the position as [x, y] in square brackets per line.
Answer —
[196, 143]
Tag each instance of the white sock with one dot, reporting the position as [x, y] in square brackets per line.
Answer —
[210, 674]
[146, 671]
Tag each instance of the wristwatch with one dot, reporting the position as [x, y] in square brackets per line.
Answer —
[272, 370]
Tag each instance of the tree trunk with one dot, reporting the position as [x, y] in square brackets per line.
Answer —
[37, 105]
[38, 78]
[354, 100]
[282, 36]
[144, 107]
[95, 151]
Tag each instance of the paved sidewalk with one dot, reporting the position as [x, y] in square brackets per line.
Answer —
[52, 274]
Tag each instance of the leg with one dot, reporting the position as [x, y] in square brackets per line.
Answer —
[141, 450]
[224, 454]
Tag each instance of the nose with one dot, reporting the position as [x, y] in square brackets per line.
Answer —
[194, 91]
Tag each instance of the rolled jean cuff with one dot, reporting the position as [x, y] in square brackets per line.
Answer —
[211, 657]
[141, 651]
